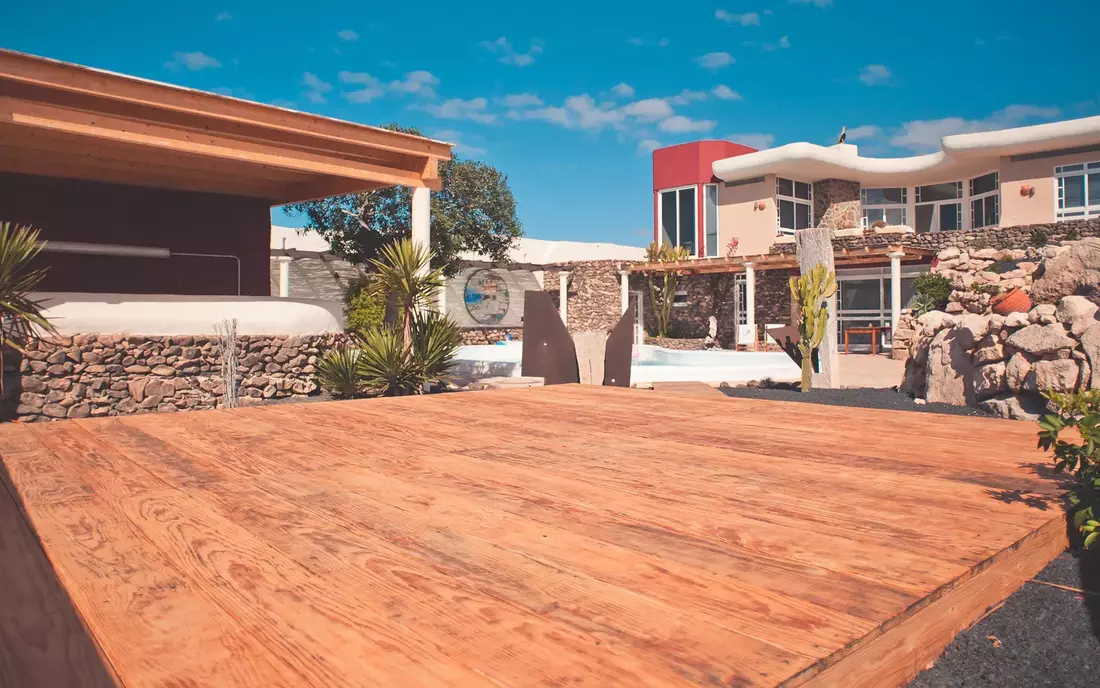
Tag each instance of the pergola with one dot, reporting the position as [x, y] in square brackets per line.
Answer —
[64, 120]
[842, 257]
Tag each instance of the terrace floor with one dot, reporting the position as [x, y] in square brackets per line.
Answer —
[561, 535]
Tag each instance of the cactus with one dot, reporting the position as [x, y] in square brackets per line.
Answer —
[812, 292]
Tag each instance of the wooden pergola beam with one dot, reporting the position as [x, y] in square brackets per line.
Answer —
[775, 261]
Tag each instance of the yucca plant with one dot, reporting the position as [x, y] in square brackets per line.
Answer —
[338, 371]
[436, 339]
[404, 270]
[386, 367]
[662, 285]
[21, 317]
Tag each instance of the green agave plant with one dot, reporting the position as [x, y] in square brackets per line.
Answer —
[385, 367]
[435, 342]
[21, 317]
[338, 371]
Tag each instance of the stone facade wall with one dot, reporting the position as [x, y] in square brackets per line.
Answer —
[1018, 237]
[595, 294]
[490, 335]
[109, 375]
[836, 204]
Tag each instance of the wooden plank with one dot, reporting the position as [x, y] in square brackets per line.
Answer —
[695, 389]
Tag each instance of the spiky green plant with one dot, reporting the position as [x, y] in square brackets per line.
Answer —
[812, 292]
[436, 339]
[21, 317]
[662, 284]
[338, 371]
[403, 269]
[386, 367]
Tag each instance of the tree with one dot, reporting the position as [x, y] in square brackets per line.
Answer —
[662, 283]
[475, 211]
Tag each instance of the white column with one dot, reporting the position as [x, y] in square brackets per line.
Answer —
[624, 284]
[563, 296]
[441, 302]
[422, 216]
[284, 276]
[895, 289]
[750, 301]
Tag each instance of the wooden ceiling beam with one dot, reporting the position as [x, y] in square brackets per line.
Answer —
[108, 128]
[323, 187]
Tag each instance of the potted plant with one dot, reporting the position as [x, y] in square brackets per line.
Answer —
[1014, 300]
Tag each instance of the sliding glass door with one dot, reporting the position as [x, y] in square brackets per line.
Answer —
[863, 300]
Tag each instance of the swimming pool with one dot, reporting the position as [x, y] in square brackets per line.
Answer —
[650, 364]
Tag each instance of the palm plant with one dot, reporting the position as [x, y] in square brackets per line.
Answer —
[662, 285]
[386, 367]
[436, 339]
[338, 371]
[21, 317]
[404, 270]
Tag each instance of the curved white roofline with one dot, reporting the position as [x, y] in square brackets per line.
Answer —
[960, 154]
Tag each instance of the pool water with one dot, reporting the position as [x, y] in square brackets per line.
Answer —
[650, 364]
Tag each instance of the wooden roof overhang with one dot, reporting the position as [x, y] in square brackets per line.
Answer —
[64, 120]
[844, 257]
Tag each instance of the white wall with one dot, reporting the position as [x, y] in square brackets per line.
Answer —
[156, 314]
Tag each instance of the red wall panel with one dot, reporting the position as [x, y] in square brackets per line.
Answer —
[100, 213]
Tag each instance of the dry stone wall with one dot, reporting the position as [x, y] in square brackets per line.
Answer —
[595, 293]
[490, 335]
[91, 375]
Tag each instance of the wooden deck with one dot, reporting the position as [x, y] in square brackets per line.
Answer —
[564, 535]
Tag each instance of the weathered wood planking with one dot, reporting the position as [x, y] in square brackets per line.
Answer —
[540, 536]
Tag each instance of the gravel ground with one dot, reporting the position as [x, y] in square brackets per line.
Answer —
[862, 397]
[1042, 636]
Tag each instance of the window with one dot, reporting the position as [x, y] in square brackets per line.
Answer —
[680, 299]
[939, 208]
[885, 205]
[985, 201]
[794, 200]
[710, 219]
[863, 298]
[678, 214]
[1078, 189]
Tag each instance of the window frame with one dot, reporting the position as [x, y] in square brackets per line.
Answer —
[660, 215]
[937, 223]
[864, 206]
[779, 198]
[995, 194]
[717, 223]
[1060, 173]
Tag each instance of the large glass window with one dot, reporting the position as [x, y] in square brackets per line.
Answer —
[883, 205]
[1078, 189]
[863, 300]
[939, 208]
[794, 200]
[710, 219]
[678, 213]
[985, 201]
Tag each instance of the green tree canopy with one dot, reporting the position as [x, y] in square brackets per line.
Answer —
[475, 211]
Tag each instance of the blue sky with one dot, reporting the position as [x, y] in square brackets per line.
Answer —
[567, 98]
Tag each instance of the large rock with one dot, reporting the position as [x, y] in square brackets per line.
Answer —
[1077, 313]
[1023, 407]
[1016, 371]
[950, 372]
[990, 380]
[1041, 339]
[1056, 376]
[970, 328]
[1090, 344]
[936, 320]
[1016, 320]
[1074, 271]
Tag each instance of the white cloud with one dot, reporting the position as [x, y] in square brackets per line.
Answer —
[419, 83]
[648, 145]
[551, 114]
[577, 112]
[623, 90]
[816, 3]
[454, 137]
[864, 132]
[758, 141]
[192, 62]
[641, 42]
[509, 55]
[473, 109]
[723, 92]
[521, 100]
[715, 60]
[679, 124]
[746, 19]
[223, 16]
[648, 110]
[347, 35]
[875, 74]
[925, 135]
[687, 96]
[316, 88]
[372, 88]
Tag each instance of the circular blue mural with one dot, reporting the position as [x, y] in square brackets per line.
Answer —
[486, 297]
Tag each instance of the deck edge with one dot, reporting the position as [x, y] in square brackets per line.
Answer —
[903, 646]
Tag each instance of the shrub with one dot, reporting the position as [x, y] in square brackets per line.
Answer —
[338, 371]
[1073, 234]
[986, 288]
[921, 304]
[1080, 410]
[979, 243]
[1039, 237]
[364, 307]
[932, 289]
[21, 318]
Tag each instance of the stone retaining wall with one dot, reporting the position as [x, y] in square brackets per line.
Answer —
[109, 375]
[490, 335]
[595, 294]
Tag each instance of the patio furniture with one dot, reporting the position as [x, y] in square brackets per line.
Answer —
[873, 330]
